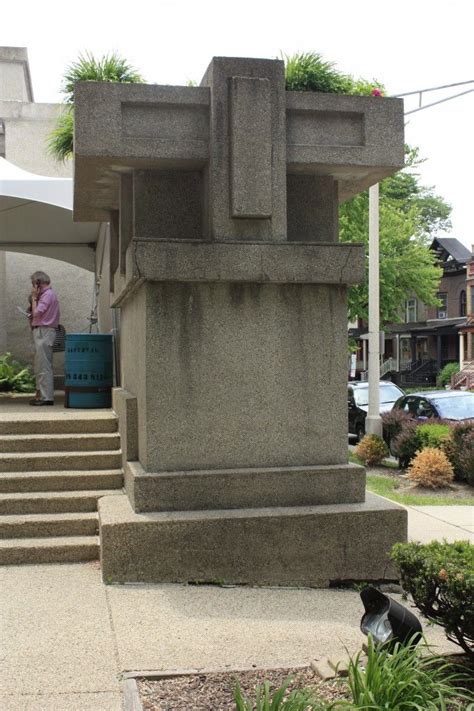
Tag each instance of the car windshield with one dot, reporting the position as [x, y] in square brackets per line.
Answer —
[455, 408]
[388, 393]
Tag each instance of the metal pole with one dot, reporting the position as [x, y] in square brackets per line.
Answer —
[373, 424]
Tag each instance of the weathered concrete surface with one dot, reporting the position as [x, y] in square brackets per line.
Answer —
[261, 263]
[125, 407]
[356, 139]
[243, 488]
[312, 545]
[237, 375]
[224, 260]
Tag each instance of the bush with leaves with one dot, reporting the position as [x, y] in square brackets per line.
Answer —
[308, 71]
[431, 468]
[433, 434]
[459, 449]
[15, 377]
[444, 376]
[372, 450]
[393, 422]
[405, 444]
[440, 579]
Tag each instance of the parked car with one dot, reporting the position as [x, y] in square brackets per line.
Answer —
[358, 403]
[446, 404]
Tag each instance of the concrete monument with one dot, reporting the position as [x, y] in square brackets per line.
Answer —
[225, 263]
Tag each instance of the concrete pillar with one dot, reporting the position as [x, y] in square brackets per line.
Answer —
[461, 351]
[234, 327]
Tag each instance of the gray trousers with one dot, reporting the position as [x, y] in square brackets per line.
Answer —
[43, 338]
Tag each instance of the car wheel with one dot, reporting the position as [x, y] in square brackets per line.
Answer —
[360, 431]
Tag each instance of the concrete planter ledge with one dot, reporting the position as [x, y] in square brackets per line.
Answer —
[285, 262]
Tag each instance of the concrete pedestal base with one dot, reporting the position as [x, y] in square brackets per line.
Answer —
[299, 545]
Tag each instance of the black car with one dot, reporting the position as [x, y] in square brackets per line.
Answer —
[358, 402]
[446, 404]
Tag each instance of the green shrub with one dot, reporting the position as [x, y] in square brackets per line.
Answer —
[444, 376]
[15, 377]
[403, 680]
[440, 579]
[308, 71]
[432, 435]
[297, 700]
[371, 449]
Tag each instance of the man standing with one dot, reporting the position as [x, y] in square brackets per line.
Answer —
[44, 321]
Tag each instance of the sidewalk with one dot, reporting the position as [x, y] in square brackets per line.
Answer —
[67, 638]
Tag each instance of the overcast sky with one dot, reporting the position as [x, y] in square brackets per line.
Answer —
[406, 44]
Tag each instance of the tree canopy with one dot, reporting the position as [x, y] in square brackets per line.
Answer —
[410, 216]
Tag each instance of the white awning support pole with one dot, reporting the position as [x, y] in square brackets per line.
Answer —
[373, 424]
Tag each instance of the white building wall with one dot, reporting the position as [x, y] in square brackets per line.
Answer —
[27, 125]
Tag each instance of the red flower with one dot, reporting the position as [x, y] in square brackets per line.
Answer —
[376, 92]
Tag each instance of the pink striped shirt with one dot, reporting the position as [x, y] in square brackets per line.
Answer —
[47, 309]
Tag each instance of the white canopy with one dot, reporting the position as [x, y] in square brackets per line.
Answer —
[36, 218]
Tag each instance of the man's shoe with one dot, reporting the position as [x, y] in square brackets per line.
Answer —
[40, 403]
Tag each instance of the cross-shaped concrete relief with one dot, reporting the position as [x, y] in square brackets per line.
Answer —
[237, 159]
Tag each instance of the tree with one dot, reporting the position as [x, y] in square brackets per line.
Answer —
[410, 216]
[110, 68]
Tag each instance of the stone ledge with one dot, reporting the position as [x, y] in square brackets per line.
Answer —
[313, 545]
[243, 488]
[277, 262]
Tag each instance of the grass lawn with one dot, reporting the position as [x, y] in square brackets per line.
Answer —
[387, 486]
[394, 487]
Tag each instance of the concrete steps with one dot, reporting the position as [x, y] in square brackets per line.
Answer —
[53, 470]
[43, 525]
[57, 461]
[58, 423]
[70, 549]
[69, 480]
[52, 501]
[59, 442]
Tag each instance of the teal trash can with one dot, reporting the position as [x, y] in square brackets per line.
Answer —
[89, 370]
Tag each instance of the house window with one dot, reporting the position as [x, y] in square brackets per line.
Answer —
[462, 303]
[410, 310]
[442, 311]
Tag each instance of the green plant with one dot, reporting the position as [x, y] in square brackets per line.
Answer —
[444, 376]
[393, 422]
[433, 434]
[308, 71]
[279, 700]
[440, 579]
[109, 68]
[389, 487]
[459, 449]
[15, 377]
[371, 449]
[412, 437]
[405, 443]
[403, 680]
[430, 467]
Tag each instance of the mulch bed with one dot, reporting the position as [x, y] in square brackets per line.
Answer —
[215, 691]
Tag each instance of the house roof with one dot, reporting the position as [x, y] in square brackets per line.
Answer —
[451, 247]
